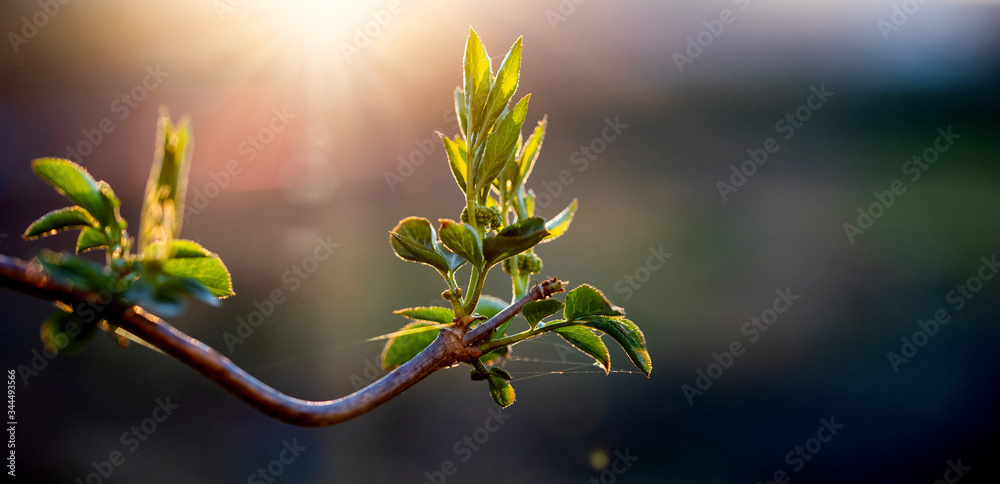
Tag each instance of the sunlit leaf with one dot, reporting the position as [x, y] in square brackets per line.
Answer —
[457, 158]
[504, 85]
[414, 239]
[163, 207]
[463, 240]
[477, 80]
[188, 259]
[501, 144]
[536, 311]
[586, 341]
[432, 313]
[560, 223]
[68, 218]
[627, 334]
[513, 240]
[90, 239]
[73, 182]
[586, 300]
[528, 153]
[404, 347]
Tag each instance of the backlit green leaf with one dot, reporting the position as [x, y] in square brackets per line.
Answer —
[432, 313]
[163, 207]
[206, 269]
[414, 239]
[586, 341]
[462, 111]
[457, 158]
[528, 153]
[586, 300]
[627, 334]
[536, 311]
[501, 144]
[477, 80]
[504, 85]
[463, 240]
[560, 223]
[73, 182]
[513, 240]
[63, 219]
[404, 347]
[90, 239]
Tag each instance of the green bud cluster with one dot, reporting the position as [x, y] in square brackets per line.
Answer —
[486, 217]
[527, 263]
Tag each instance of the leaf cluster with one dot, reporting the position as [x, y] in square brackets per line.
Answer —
[163, 271]
[491, 162]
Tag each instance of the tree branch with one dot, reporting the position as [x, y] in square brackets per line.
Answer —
[453, 344]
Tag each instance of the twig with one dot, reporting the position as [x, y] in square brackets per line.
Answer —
[453, 344]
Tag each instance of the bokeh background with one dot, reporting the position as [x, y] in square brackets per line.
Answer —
[316, 105]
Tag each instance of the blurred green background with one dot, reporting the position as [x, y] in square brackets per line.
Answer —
[317, 105]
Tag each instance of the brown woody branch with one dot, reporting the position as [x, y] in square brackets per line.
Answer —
[454, 344]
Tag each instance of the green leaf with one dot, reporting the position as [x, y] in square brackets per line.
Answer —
[627, 334]
[163, 208]
[536, 311]
[514, 239]
[457, 158]
[504, 85]
[188, 259]
[433, 314]
[501, 144]
[166, 294]
[63, 219]
[501, 391]
[68, 331]
[586, 341]
[462, 111]
[529, 153]
[116, 224]
[404, 347]
[560, 223]
[90, 239]
[82, 273]
[477, 80]
[463, 240]
[586, 300]
[74, 183]
[413, 239]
